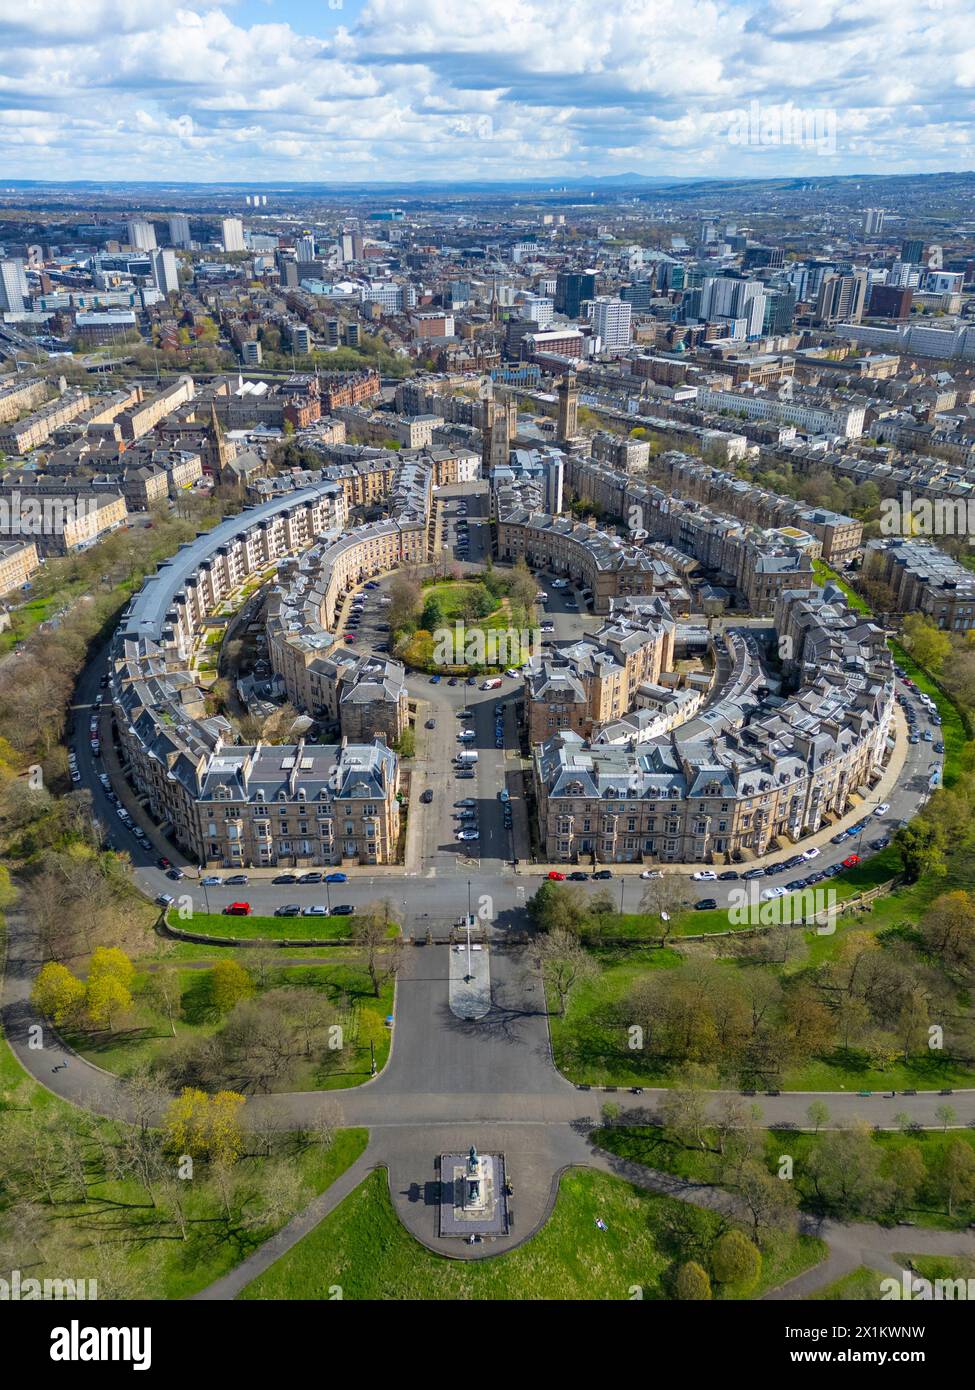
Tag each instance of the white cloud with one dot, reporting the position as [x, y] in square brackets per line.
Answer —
[96, 88]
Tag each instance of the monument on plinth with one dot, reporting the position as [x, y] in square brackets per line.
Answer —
[473, 1194]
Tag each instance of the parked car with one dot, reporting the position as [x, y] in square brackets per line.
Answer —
[285, 878]
[237, 909]
[431, 724]
[235, 880]
[603, 873]
[726, 875]
[337, 877]
[316, 910]
[811, 853]
[654, 873]
[882, 809]
[769, 893]
[705, 904]
[314, 877]
[577, 876]
[850, 861]
[754, 873]
[555, 876]
[175, 873]
[427, 796]
[164, 863]
[165, 899]
[211, 881]
[288, 910]
[343, 910]
[703, 874]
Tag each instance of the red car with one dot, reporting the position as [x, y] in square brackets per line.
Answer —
[556, 876]
[850, 860]
[237, 910]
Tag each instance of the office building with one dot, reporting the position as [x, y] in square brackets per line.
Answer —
[179, 231]
[13, 286]
[571, 289]
[232, 234]
[165, 271]
[141, 234]
[611, 322]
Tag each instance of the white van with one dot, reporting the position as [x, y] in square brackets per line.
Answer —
[468, 755]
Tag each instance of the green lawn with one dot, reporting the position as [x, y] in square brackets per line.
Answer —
[859, 1286]
[141, 1240]
[362, 1248]
[952, 729]
[148, 1037]
[656, 1148]
[223, 926]
[825, 575]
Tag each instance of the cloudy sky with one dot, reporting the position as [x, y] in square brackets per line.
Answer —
[398, 89]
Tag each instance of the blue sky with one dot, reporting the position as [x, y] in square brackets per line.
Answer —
[397, 89]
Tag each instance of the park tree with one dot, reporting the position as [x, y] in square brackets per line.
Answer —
[948, 929]
[565, 964]
[921, 846]
[555, 908]
[904, 1171]
[405, 597]
[379, 955]
[770, 1201]
[843, 1168]
[229, 983]
[736, 1261]
[58, 994]
[692, 1283]
[205, 1126]
[165, 993]
[927, 644]
[955, 1175]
